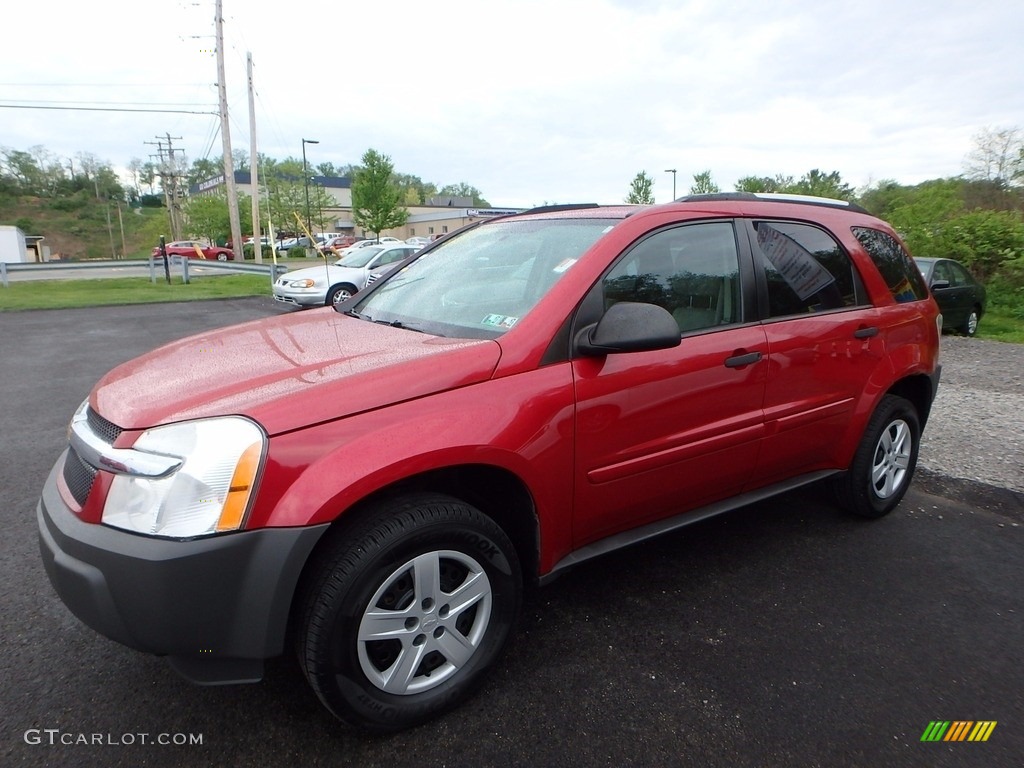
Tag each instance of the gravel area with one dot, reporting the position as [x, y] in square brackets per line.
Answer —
[976, 428]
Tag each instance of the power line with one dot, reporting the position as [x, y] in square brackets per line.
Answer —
[108, 109]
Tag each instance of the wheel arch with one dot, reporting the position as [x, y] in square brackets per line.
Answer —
[917, 389]
[495, 491]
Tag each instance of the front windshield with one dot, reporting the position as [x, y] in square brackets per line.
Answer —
[359, 257]
[480, 283]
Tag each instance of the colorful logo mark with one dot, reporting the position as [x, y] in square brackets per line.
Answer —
[958, 730]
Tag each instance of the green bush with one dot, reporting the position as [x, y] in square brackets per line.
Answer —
[73, 202]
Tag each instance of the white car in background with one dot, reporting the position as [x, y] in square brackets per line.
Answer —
[328, 284]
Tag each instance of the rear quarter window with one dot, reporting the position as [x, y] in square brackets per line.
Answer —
[901, 275]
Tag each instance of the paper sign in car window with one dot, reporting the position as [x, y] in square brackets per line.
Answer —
[795, 263]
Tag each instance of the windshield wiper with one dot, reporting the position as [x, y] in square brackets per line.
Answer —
[400, 324]
[358, 315]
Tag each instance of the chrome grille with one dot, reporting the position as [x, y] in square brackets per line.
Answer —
[101, 427]
[78, 476]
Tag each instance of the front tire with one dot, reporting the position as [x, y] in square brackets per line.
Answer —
[222, 257]
[884, 463]
[339, 293]
[405, 609]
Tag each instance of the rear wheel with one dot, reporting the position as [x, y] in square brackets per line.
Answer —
[222, 256]
[405, 610]
[884, 463]
[970, 326]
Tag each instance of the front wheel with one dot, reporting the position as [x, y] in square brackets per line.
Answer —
[884, 463]
[405, 610]
[222, 257]
[339, 293]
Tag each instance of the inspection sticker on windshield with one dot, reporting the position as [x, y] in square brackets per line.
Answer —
[500, 321]
[562, 266]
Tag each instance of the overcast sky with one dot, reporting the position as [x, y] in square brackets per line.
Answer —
[530, 101]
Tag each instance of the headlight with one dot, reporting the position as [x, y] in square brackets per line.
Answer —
[209, 493]
[307, 283]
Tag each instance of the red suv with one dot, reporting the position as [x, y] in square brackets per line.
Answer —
[375, 482]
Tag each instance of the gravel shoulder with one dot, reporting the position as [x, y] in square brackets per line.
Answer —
[976, 429]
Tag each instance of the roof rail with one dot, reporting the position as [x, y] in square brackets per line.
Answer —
[774, 197]
[561, 207]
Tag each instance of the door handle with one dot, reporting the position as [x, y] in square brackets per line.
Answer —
[740, 360]
[865, 333]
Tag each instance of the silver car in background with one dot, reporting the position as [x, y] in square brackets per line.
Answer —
[327, 284]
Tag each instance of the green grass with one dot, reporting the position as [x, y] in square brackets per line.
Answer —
[998, 324]
[62, 294]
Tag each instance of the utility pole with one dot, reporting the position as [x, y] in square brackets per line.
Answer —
[169, 177]
[254, 175]
[225, 135]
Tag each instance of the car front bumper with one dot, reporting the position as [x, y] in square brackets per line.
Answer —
[216, 606]
[303, 297]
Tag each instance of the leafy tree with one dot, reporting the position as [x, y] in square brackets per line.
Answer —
[376, 199]
[640, 190]
[462, 189]
[997, 156]
[203, 169]
[287, 199]
[22, 168]
[777, 183]
[983, 240]
[415, 191]
[703, 185]
[326, 169]
[207, 216]
[822, 184]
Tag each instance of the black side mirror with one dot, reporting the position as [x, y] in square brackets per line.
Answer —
[629, 327]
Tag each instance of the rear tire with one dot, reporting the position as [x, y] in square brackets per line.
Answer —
[405, 609]
[884, 463]
[970, 326]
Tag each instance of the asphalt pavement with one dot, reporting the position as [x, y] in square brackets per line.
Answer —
[782, 634]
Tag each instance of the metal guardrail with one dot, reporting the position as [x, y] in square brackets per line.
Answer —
[155, 265]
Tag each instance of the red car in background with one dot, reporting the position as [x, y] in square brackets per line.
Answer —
[193, 249]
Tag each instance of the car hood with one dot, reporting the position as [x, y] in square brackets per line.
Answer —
[288, 372]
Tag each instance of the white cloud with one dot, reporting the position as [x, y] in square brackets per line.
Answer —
[534, 101]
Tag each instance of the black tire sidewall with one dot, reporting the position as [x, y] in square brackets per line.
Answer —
[336, 674]
[856, 491]
[335, 290]
[966, 328]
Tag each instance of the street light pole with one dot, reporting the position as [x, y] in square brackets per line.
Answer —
[305, 178]
[673, 172]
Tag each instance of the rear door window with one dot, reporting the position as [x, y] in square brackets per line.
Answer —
[806, 270]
